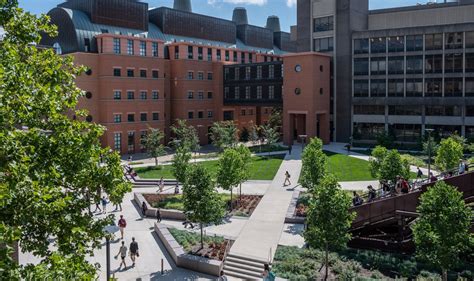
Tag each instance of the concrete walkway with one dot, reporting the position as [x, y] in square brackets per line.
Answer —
[259, 238]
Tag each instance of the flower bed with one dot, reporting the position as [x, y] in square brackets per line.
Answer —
[302, 205]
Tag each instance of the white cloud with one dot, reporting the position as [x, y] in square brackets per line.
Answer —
[290, 3]
[244, 2]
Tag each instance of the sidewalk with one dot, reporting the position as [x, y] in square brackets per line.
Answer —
[263, 231]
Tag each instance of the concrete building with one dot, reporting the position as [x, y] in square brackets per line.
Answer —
[147, 68]
[412, 67]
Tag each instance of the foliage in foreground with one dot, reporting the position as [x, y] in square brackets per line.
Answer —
[386, 165]
[189, 239]
[314, 164]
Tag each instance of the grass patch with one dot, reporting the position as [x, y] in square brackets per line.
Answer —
[261, 168]
[266, 148]
[136, 163]
[347, 168]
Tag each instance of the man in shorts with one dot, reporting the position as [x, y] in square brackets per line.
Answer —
[123, 254]
[134, 250]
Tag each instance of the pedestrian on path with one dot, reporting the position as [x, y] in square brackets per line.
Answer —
[287, 179]
[419, 173]
[290, 147]
[161, 185]
[122, 223]
[117, 206]
[134, 251]
[176, 189]
[123, 254]
[267, 274]
[158, 215]
[104, 204]
[97, 205]
[144, 208]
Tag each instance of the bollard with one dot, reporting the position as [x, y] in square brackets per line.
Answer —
[162, 267]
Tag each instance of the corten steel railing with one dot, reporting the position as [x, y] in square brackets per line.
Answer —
[386, 207]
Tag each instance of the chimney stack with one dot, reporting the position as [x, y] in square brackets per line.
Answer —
[183, 5]
[240, 16]
[273, 23]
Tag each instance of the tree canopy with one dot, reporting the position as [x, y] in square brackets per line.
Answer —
[449, 152]
[185, 135]
[388, 164]
[314, 164]
[230, 169]
[153, 143]
[224, 134]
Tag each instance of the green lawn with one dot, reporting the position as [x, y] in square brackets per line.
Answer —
[260, 168]
[347, 168]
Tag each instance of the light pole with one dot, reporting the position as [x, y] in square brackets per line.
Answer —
[109, 230]
[429, 131]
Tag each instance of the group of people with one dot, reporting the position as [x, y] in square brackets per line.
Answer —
[123, 250]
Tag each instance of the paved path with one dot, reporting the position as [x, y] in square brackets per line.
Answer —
[264, 228]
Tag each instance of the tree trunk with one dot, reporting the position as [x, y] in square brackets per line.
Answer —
[156, 161]
[445, 275]
[326, 263]
[202, 242]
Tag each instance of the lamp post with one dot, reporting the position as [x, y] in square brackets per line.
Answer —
[109, 230]
[429, 131]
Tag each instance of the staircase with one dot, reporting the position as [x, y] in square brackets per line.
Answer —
[244, 268]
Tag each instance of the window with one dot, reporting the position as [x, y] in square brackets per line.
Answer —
[453, 87]
[131, 117]
[414, 64]
[226, 73]
[87, 45]
[200, 75]
[414, 87]
[378, 45]
[247, 92]
[143, 73]
[227, 55]
[469, 39]
[271, 71]
[176, 52]
[250, 111]
[247, 73]
[369, 109]
[236, 73]
[377, 88]
[234, 56]
[190, 115]
[201, 95]
[433, 87]
[469, 110]
[117, 141]
[414, 43]
[156, 116]
[361, 66]
[130, 46]
[396, 44]
[218, 55]
[209, 114]
[454, 40]
[57, 49]
[131, 142]
[396, 88]
[259, 92]
[242, 112]
[143, 135]
[434, 41]
[406, 132]
[200, 55]
[143, 117]
[453, 63]
[378, 66]
[434, 64]
[209, 54]
[143, 95]
[259, 72]
[130, 73]
[117, 72]
[117, 95]
[190, 95]
[154, 49]
[237, 93]
[142, 48]
[469, 62]
[250, 58]
[190, 52]
[368, 131]
[396, 65]
[226, 92]
[200, 114]
[443, 111]
[242, 58]
[117, 118]
[209, 76]
[190, 75]
[407, 110]
[155, 95]
[323, 44]
[323, 24]
[271, 92]
[361, 88]
[361, 46]
[130, 95]
[155, 74]
[469, 87]
[117, 46]
[209, 95]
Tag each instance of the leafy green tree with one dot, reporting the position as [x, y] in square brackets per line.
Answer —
[314, 164]
[385, 139]
[375, 162]
[224, 134]
[244, 135]
[201, 201]
[253, 135]
[270, 135]
[181, 163]
[392, 166]
[448, 154]
[229, 171]
[276, 119]
[430, 146]
[185, 135]
[442, 232]
[153, 143]
[329, 219]
[50, 164]
[246, 157]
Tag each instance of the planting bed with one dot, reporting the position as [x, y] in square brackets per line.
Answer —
[302, 205]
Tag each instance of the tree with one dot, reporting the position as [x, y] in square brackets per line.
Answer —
[244, 135]
[329, 219]
[224, 134]
[448, 154]
[185, 136]
[229, 170]
[50, 164]
[201, 201]
[271, 135]
[385, 139]
[153, 143]
[181, 164]
[246, 157]
[376, 159]
[275, 120]
[442, 232]
[392, 166]
[314, 164]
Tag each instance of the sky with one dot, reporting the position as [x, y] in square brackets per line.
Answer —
[257, 10]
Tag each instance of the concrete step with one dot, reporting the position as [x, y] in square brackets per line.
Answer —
[240, 270]
[246, 258]
[241, 276]
[241, 265]
[248, 263]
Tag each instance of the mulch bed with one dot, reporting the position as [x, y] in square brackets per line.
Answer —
[154, 198]
[214, 251]
[246, 204]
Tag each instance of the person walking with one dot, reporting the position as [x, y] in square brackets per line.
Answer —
[176, 189]
[97, 205]
[161, 185]
[104, 204]
[372, 193]
[122, 223]
[462, 167]
[267, 274]
[158, 215]
[287, 179]
[134, 251]
[144, 208]
[356, 199]
[123, 254]
[419, 173]
[290, 147]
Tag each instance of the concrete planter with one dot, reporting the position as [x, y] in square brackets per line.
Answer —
[184, 260]
[151, 212]
[291, 213]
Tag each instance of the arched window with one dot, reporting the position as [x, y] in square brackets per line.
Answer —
[57, 48]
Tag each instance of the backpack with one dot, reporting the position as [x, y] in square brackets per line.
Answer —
[122, 223]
